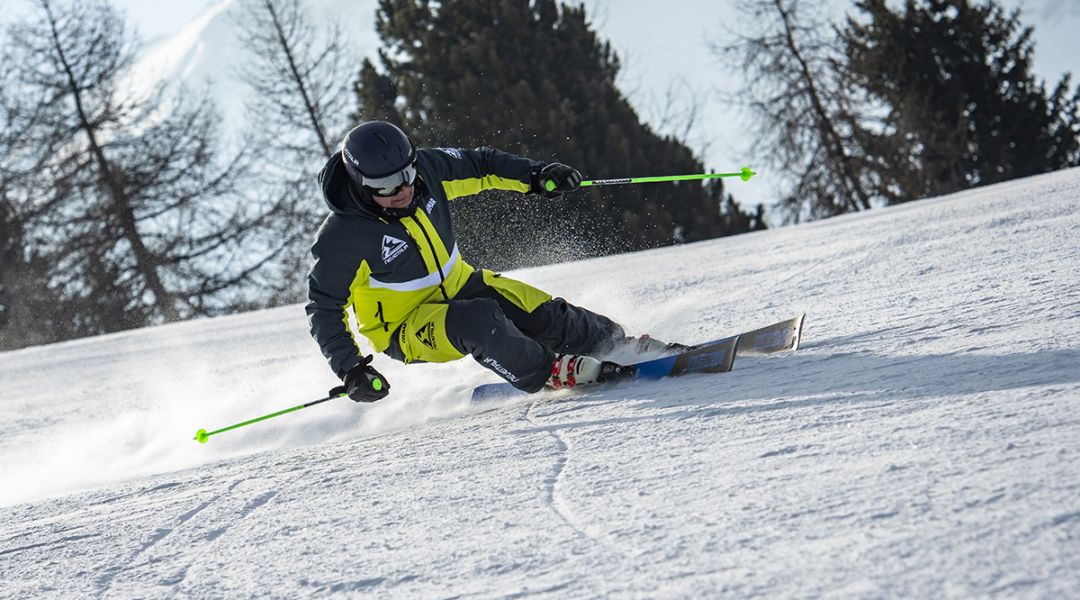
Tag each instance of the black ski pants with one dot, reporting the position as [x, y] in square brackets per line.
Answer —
[491, 323]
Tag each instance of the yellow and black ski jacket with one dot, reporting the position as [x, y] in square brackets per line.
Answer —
[385, 268]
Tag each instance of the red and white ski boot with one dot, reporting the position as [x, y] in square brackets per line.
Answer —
[572, 370]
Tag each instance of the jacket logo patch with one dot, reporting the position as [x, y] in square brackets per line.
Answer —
[426, 335]
[452, 152]
[392, 248]
[430, 206]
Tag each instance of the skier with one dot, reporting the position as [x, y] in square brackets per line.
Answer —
[387, 250]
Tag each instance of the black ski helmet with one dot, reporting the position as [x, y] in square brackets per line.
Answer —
[376, 149]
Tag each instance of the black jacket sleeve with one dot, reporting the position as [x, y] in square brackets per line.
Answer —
[467, 172]
[328, 296]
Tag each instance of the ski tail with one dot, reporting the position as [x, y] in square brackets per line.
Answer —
[490, 392]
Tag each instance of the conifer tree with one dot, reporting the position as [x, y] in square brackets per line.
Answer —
[533, 78]
[960, 104]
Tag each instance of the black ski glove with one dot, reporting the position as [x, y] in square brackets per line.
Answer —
[555, 179]
[364, 384]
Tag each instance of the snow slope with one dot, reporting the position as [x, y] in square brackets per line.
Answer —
[922, 443]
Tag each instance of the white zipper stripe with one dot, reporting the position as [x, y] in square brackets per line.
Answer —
[417, 284]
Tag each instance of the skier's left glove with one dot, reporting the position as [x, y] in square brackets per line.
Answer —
[364, 384]
[555, 179]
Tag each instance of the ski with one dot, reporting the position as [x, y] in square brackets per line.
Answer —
[717, 356]
[778, 337]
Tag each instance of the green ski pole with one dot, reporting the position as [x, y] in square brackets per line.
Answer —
[745, 174]
[202, 435]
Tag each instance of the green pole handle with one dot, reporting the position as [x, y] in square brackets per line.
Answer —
[203, 435]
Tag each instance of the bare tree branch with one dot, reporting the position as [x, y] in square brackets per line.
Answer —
[126, 193]
[804, 117]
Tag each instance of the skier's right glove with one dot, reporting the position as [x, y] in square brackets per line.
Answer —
[364, 384]
[552, 180]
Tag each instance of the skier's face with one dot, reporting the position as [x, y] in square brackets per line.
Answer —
[402, 199]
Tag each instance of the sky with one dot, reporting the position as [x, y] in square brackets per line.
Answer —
[674, 41]
[668, 51]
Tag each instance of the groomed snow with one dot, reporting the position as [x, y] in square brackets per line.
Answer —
[922, 443]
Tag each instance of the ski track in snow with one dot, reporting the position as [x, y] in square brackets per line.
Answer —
[557, 497]
[921, 443]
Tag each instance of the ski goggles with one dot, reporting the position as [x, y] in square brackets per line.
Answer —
[391, 184]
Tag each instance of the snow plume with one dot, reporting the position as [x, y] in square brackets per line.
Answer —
[127, 405]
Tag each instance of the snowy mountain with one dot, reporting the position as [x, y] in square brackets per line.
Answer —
[208, 50]
[921, 443]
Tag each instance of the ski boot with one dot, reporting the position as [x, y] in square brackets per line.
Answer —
[572, 370]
